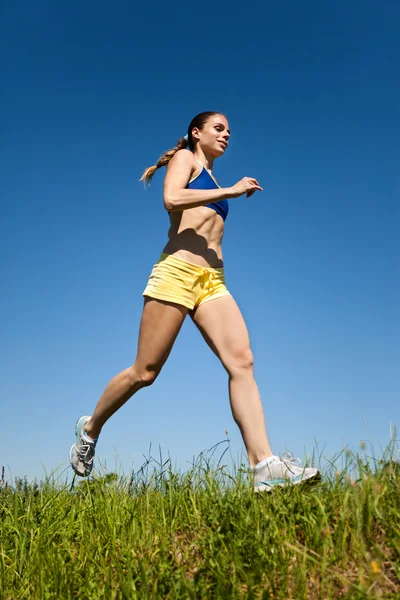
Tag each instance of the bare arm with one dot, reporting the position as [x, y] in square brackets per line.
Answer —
[177, 197]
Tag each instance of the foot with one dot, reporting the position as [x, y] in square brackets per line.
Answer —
[81, 455]
[281, 471]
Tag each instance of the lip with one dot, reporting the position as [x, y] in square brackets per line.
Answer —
[224, 144]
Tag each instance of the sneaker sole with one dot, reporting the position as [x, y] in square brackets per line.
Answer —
[76, 424]
[73, 466]
[85, 474]
[287, 483]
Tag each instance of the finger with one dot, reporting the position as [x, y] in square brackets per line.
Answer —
[253, 180]
[251, 192]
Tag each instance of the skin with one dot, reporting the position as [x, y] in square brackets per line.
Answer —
[196, 235]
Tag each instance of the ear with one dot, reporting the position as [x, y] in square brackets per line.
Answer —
[196, 133]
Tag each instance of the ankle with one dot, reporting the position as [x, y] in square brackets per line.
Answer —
[91, 431]
[258, 458]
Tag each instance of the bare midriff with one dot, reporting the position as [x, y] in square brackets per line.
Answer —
[196, 235]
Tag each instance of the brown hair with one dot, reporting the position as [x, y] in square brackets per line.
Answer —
[198, 121]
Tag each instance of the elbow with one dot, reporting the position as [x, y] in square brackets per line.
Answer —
[169, 204]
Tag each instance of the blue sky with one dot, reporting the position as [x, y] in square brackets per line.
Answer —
[92, 94]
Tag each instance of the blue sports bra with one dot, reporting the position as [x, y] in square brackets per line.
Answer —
[204, 181]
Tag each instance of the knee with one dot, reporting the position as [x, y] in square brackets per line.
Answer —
[241, 361]
[145, 376]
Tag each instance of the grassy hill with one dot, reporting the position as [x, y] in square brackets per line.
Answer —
[203, 534]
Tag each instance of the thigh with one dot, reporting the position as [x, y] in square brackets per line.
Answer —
[159, 326]
[223, 327]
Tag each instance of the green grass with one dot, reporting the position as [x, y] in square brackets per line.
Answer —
[204, 534]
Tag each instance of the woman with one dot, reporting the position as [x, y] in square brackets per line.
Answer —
[189, 280]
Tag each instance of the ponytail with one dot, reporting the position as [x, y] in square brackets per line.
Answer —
[190, 143]
[163, 160]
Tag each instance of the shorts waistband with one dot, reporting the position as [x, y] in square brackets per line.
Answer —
[189, 266]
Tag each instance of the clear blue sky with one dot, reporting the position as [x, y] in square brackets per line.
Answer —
[94, 92]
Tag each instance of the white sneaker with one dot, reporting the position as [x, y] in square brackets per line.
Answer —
[81, 455]
[281, 471]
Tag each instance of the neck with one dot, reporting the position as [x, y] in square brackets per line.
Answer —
[206, 161]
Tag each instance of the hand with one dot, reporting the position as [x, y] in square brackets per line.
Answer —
[247, 186]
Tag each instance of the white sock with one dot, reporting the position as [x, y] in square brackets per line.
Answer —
[92, 440]
[265, 462]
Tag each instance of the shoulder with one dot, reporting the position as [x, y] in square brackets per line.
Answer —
[183, 157]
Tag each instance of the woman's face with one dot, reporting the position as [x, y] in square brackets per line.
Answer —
[214, 136]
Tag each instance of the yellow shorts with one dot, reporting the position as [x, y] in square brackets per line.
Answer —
[176, 280]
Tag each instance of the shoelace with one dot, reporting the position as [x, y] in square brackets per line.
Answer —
[82, 453]
[290, 461]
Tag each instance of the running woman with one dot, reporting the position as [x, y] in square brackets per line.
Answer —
[188, 279]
